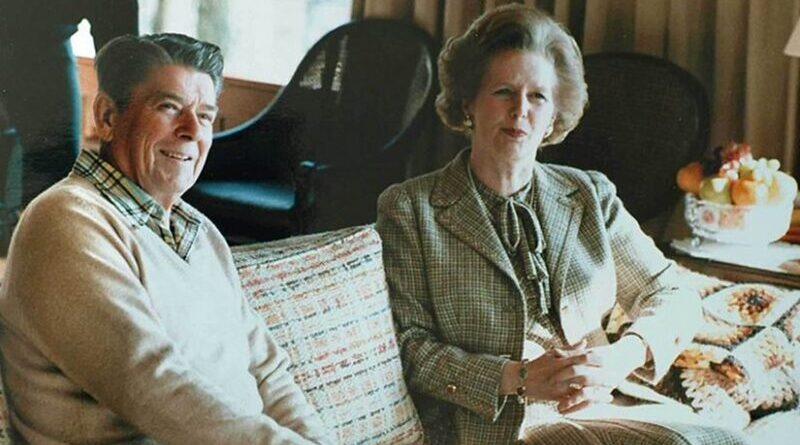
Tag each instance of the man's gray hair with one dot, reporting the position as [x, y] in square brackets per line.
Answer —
[125, 61]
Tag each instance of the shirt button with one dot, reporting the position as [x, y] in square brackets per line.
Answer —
[451, 388]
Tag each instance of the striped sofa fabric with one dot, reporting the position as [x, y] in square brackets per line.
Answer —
[325, 300]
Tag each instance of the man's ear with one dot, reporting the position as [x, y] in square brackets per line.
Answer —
[105, 116]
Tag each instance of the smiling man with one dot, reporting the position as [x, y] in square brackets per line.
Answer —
[121, 314]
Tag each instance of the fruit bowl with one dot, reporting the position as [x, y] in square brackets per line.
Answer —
[738, 224]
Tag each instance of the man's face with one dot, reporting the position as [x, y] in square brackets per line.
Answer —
[161, 140]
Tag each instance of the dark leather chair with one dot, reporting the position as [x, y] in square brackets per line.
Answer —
[318, 156]
[647, 117]
[10, 179]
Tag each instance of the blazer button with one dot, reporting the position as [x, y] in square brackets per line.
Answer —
[451, 388]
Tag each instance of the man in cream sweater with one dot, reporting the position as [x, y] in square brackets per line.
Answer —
[121, 314]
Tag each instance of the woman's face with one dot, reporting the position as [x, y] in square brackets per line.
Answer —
[513, 109]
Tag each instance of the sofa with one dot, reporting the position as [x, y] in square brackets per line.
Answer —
[324, 298]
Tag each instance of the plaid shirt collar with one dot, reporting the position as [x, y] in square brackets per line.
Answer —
[139, 208]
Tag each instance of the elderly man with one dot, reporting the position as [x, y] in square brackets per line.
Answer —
[121, 314]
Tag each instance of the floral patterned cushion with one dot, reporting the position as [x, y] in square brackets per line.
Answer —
[741, 365]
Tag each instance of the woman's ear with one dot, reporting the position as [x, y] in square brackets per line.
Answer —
[466, 107]
[105, 116]
[551, 127]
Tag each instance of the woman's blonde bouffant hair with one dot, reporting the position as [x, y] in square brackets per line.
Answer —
[464, 60]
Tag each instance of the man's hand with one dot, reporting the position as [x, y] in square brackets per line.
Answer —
[605, 368]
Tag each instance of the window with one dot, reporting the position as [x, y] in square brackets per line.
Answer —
[262, 40]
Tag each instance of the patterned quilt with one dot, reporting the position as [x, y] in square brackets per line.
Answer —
[741, 365]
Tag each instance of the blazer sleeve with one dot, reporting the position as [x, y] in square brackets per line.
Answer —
[665, 314]
[432, 367]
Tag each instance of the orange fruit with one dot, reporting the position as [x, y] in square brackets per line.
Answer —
[689, 177]
[747, 192]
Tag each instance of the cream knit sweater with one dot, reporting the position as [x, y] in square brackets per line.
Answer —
[108, 336]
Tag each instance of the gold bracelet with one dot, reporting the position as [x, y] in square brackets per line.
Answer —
[522, 390]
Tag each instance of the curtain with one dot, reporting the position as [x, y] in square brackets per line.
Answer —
[735, 47]
[205, 19]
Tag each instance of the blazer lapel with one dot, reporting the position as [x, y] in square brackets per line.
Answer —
[559, 213]
[461, 212]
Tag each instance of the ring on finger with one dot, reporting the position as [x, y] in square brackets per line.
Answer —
[576, 386]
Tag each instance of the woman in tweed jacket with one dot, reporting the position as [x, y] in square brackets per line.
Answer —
[501, 269]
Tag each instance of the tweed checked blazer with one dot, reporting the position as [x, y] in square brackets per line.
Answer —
[461, 312]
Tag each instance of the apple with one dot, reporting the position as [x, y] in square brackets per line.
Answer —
[715, 189]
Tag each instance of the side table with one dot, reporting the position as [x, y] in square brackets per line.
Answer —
[777, 263]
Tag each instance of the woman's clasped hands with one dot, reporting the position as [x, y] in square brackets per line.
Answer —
[577, 377]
